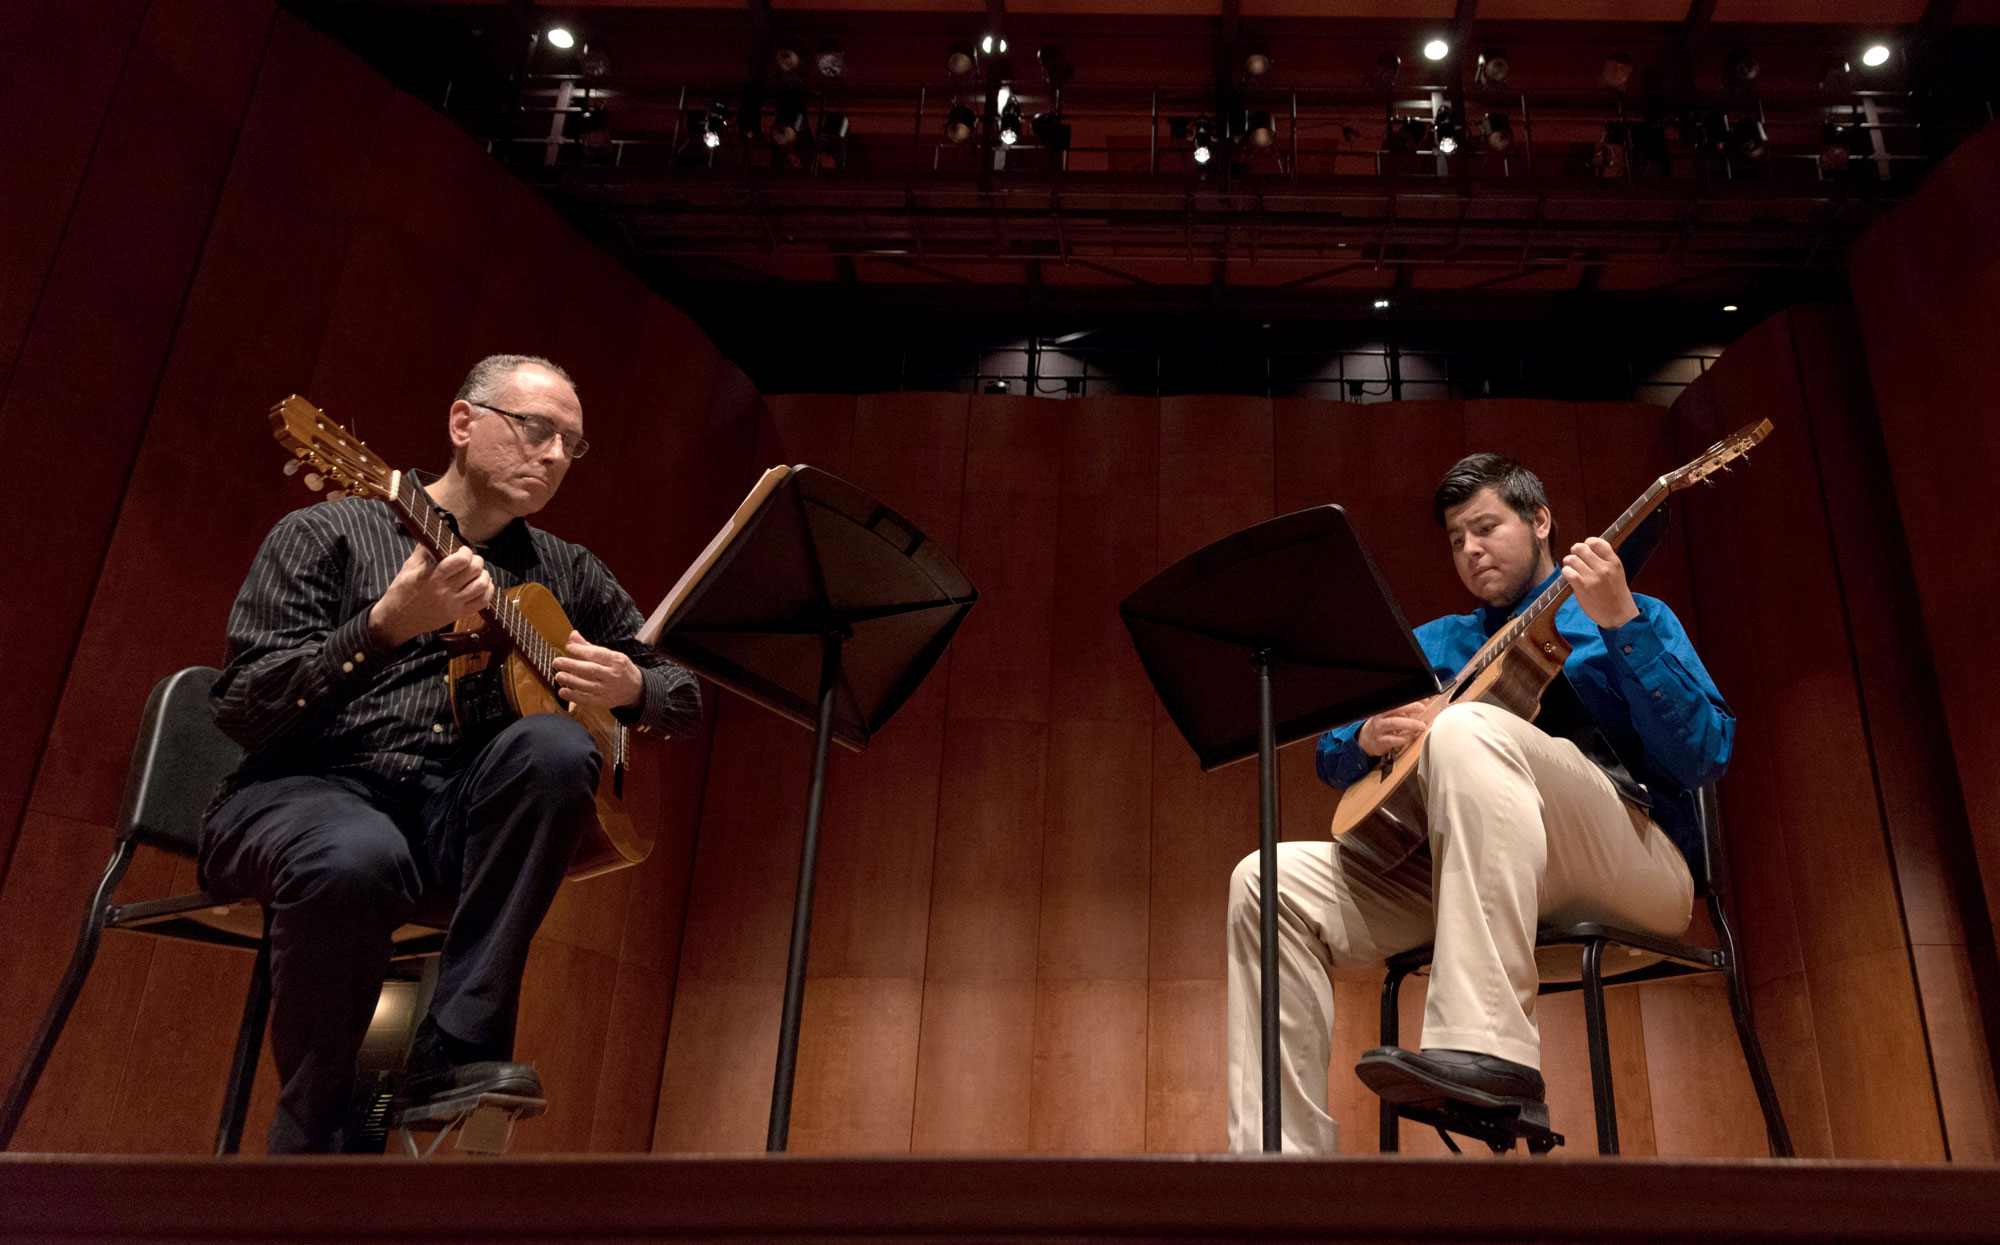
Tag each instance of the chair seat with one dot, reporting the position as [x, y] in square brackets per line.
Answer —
[205, 917]
[1629, 955]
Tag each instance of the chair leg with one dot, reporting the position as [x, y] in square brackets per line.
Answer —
[57, 1015]
[1601, 1090]
[249, 1046]
[1389, 1138]
[1778, 1136]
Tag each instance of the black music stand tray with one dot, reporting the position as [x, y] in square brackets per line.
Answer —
[1262, 638]
[828, 608]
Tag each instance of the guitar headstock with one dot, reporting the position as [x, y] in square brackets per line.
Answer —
[1717, 457]
[332, 455]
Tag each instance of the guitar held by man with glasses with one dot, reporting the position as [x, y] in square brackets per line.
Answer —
[1382, 811]
[501, 659]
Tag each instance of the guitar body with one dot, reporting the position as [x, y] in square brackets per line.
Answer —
[628, 783]
[1382, 816]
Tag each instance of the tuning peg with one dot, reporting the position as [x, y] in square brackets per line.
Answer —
[314, 482]
[291, 466]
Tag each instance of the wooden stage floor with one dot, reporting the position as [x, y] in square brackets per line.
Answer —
[585, 1198]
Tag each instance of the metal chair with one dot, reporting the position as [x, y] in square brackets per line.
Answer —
[179, 760]
[1661, 958]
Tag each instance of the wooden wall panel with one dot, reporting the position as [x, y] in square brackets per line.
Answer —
[82, 381]
[975, 1067]
[81, 50]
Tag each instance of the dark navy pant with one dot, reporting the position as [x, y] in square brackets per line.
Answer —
[339, 864]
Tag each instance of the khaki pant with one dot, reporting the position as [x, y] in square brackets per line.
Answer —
[1523, 830]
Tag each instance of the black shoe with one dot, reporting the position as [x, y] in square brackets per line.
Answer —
[431, 1076]
[1407, 1076]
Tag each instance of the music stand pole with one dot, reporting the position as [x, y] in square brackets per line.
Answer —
[795, 967]
[1267, 894]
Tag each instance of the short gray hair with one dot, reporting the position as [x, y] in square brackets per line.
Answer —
[495, 370]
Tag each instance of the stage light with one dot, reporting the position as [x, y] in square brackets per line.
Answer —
[1204, 140]
[1263, 130]
[1611, 159]
[1493, 67]
[832, 59]
[593, 63]
[1055, 66]
[1835, 149]
[989, 45]
[1436, 50]
[958, 124]
[593, 131]
[1383, 73]
[1729, 306]
[1006, 94]
[960, 60]
[1876, 56]
[788, 123]
[1447, 129]
[1618, 71]
[786, 59]
[832, 129]
[1381, 304]
[1051, 131]
[1499, 131]
[560, 37]
[1750, 140]
[996, 386]
[712, 126]
[1744, 68]
[1256, 62]
[1010, 124]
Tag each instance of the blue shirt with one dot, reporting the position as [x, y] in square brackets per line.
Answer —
[1641, 683]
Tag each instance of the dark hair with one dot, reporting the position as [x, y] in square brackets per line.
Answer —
[1520, 488]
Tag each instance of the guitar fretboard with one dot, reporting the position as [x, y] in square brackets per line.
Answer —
[421, 514]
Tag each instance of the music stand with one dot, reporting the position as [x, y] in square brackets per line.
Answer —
[1296, 600]
[828, 608]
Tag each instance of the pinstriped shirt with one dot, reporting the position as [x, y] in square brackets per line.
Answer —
[307, 690]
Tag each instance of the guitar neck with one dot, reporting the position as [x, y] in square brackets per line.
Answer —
[429, 525]
[1556, 593]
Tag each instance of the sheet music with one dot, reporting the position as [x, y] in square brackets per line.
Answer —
[656, 622]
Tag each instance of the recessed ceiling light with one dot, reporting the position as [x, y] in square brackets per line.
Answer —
[560, 37]
[1436, 50]
[1875, 56]
[1729, 306]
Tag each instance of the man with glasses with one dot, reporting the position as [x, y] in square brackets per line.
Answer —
[363, 801]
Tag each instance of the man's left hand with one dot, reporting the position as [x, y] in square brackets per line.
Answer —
[587, 674]
[1598, 578]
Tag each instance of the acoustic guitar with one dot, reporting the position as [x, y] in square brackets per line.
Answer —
[502, 659]
[1381, 816]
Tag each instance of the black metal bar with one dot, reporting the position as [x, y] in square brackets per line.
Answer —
[1389, 1139]
[57, 1015]
[1600, 1047]
[1779, 1137]
[795, 968]
[249, 1046]
[1267, 894]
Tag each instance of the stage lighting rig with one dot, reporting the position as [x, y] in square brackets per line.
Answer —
[1051, 131]
[1262, 129]
[1499, 131]
[831, 60]
[959, 123]
[960, 60]
[1493, 67]
[1436, 50]
[713, 123]
[1010, 123]
[1618, 71]
[1203, 138]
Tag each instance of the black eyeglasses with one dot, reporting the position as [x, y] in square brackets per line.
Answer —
[539, 430]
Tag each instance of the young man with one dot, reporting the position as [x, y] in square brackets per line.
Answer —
[1584, 814]
[360, 803]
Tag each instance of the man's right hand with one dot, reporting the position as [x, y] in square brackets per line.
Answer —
[1397, 728]
[428, 594]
